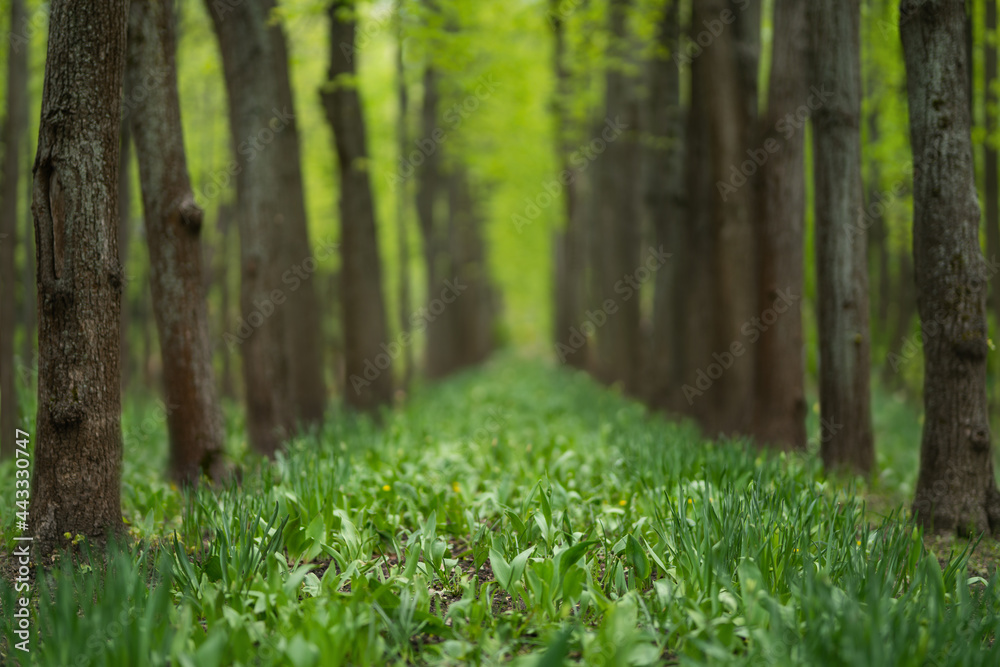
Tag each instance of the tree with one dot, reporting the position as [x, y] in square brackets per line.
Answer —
[280, 366]
[173, 230]
[14, 127]
[124, 236]
[841, 249]
[403, 204]
[956, 490]
[369, 379]
[779, 391]
[991, 188]
[665, 199]
[78, 440]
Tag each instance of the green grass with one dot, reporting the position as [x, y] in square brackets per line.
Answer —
[516, 514]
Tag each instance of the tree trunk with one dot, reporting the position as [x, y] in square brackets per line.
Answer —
[78, 439]
[780, 403]
[14, 127]
[841, 250]
[301, 317]
[665, 196]
[619, 340]
[956, 490]
[730, 103]
[367, 354]
[225, 213]
[402, 208]
[254, 120]
[28, 282]
[124, 227]
[990, 175]
[173, 231]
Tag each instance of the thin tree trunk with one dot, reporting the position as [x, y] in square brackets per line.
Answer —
[780, 403]
[841, 257]
[990, 174]
[730, 103]
[28, 281]
[173, 231]
[367, 355]
[619, 337]
[301, 316]
[14, 127]
[124, 225]
[665, 197]
[225, 213]
[879, 234]
[402, 209]
[956, 490]
[78, 439]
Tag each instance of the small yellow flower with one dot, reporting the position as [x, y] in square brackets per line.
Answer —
[859, 543]
[690, 502]
[623, 502]
[386, 487]
[796, 550]
[455, 487]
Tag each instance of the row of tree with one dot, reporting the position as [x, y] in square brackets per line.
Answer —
[718, 168]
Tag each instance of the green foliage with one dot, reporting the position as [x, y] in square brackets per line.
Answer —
[515, 514]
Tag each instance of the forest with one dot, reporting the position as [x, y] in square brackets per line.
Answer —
[482, 332]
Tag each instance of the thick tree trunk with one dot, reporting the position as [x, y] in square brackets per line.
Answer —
[665, 198]
[173, 231]
[780, 403]
[368, 362]
[956, 490]
[14, 127]
[78, 439]
[730, 103]
[619, 341]
[124, 227]
[841, 250]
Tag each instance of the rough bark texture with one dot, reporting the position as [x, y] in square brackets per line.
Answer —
[730, 102]
[14, 127]
[78, 439]
[619, 342]
[841, 257]
[368, 365]
[173, 231]
[665, 199]
[780, 404]
[124, 229]
[956, 490]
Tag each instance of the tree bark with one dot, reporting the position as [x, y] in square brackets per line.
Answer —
[956, 490]
[368, 364]
[173, 232]
[14, 127]
[841, 250]
[78, 439]
[780, 404]
[124, 227]
[665, 197]
[224, 223]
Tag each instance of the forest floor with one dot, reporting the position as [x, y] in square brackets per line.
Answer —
[518, 514]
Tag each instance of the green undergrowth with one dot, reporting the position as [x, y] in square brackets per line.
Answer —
[516, 514]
